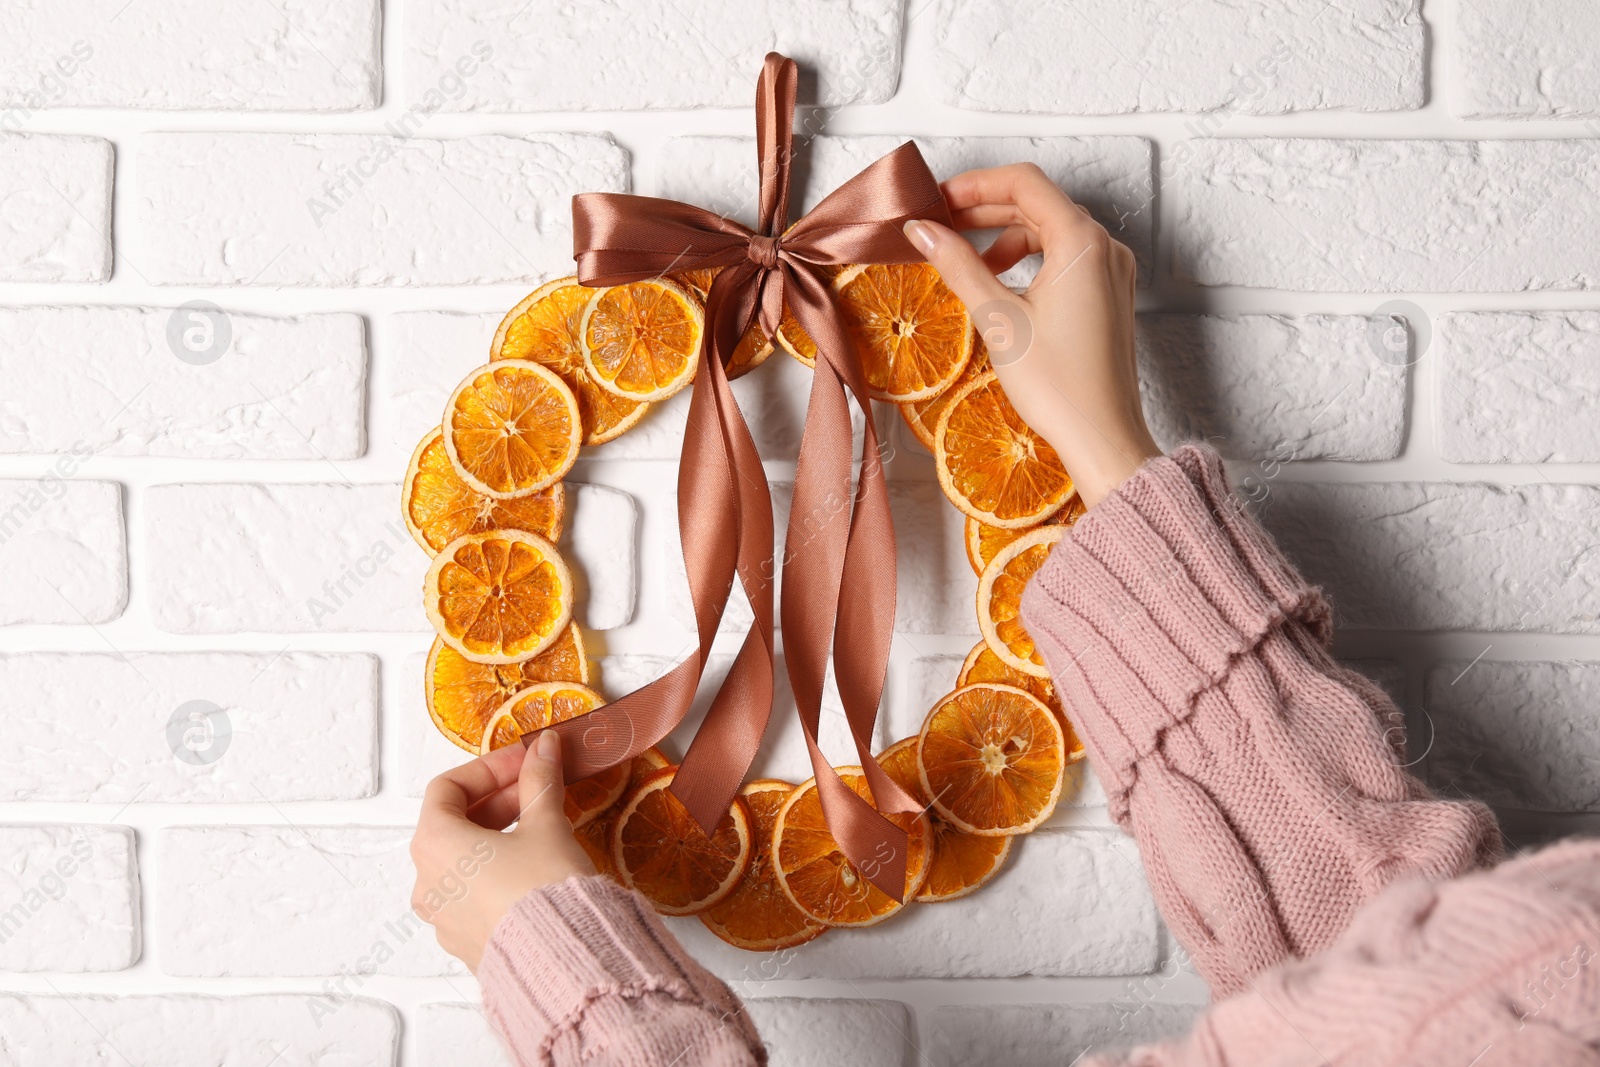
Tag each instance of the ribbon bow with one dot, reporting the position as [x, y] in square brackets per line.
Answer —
[839, 570]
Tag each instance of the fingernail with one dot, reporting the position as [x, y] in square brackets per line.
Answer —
[547, 746]
[919, 234]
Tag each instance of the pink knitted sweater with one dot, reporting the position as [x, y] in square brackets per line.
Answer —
[1341, 914]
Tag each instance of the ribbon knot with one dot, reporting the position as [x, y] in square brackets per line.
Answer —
[763, 251]
[839, 570]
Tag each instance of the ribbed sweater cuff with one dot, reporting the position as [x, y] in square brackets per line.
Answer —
[577, 958]
[1150, 598]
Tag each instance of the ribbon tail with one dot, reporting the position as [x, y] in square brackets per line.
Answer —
[830, 543]
[718, 759]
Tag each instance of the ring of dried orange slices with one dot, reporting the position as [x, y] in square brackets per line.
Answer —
[483, 496]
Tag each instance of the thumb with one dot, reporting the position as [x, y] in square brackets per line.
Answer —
[541, 791]
[958, 263]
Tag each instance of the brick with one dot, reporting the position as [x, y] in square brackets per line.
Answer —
[292, 900]
[1516, 735]
[185, 55]
[69, 900]
[773, 399]
[1440, 556]
[1519, 387]
[1111, 176]
[225, 558]
[599, 543]
[1045, 1035]
[90, 1031]
[55, 219]
[1107, 58]
[1271, 386]
[550, 56]
[1385, 216]
[1525, 61]
[458, 1035]
[188, 727]
[190, 383]
[826, 1032]
[303, 209]
[63, 558]
[936, 589]
[1102, 922]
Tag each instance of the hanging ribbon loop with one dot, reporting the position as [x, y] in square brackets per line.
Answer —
[840, 556]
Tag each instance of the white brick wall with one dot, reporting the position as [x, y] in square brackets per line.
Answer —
[247, 249]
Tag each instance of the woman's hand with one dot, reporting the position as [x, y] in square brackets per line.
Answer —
[470, 873]
[1063, 349]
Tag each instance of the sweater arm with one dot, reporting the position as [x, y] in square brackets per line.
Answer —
[1255, 772]
[584, 972]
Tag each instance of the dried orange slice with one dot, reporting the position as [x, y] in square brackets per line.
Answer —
[982, 665]
[793, 339]
[661, 851]
[816, 876]
[961, 862]
[991, 465]
[535, 707]
[913, 333]
[922, 416]
[984, 541]
[539, 706]
[439, 507]
[498, 597]
[1000, 599]
[756, 915]
[511, 428]
[544, 329]
[641, 341]
[594, 838]
[754, 348]
[991, 759]
[463, 696]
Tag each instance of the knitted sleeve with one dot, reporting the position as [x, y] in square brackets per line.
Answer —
[1253, 770]
[584, 972]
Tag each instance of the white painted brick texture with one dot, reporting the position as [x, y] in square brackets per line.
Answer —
[217, 55]
[182, 382]
[62, 554]
[211, 632]
[552, 56]
[348, 209]
[55, 211]
[69, 899]
[187, 1030]
[188, 727]
[1109, 57]
[1374, 216]
[1512, 60]
[326, 901]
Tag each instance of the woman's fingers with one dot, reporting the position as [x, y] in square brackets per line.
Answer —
[459, 788]
[1021, 187]
[498, 810]
[541, 788]
[958, 263]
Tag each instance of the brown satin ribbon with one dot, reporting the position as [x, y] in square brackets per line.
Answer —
[839, 570]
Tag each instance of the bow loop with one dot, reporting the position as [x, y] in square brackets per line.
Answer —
[840, 563]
